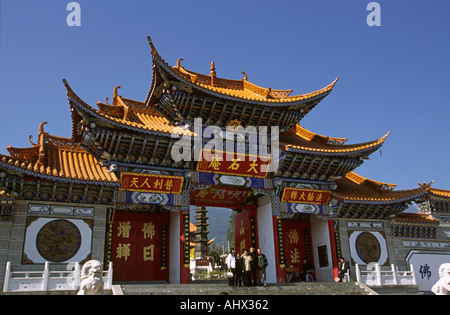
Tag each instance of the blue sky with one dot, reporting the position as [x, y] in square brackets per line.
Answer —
[392, 78]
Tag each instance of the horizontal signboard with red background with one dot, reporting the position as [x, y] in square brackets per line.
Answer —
[309, 196]
[151, 183]
[231, 163]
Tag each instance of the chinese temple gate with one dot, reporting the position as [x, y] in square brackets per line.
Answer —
[132, 169]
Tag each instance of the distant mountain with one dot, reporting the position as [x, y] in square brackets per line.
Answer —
[218, 224]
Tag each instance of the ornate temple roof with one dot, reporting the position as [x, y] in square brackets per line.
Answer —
[298, 139]
[240, 89]
[124, 113]
[181, 95]
[415, 219]
[57, 158]
[243, 89]
[354, 188]
[440, 194]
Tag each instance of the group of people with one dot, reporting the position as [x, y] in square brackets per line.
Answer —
[248, 269]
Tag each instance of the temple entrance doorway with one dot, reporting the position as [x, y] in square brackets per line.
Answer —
[209, 244]
[298, 248]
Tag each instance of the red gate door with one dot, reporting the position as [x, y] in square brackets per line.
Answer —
[140, 246]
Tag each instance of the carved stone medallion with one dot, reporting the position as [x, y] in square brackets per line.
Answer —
[58, 240]
[367, 247]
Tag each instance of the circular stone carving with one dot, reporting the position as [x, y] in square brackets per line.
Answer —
[367, 247]
[58, 240]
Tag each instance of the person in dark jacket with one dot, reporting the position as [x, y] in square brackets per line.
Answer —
[254, 266]
[239, 271]
[261, 265]
[343, 268]
[307, 270]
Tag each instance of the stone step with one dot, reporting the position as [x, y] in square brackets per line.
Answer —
[314, 288]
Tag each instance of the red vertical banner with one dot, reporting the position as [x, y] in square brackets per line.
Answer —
[245, 230]
[138, 246]
[184, 248]
[297, 242]
[279, 249]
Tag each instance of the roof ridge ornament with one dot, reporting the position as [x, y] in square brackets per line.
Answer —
[41, 127]
[115, 94]
[41, 142]
[41, 131]
[425, 185]
[178, 66]
[154, 52]
[213, 74]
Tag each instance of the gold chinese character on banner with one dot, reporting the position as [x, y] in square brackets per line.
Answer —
[295, 256]
[293, 236]
[149, 253]
[242, 228]
[149, 230]
[124, 229]
[123, 251]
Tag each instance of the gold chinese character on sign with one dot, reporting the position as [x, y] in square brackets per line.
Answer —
[311, 196]
[123, 251]
[124, 229]
[149, 230]
[295, 256]
[293, 236]
[146, 183]
[302, 196]
[149, 253]
[158, 184]
[319, 197]
[293, 195]
[134, 182]
[202, 193]
[169, 184]
[215, 164]
[235, 165]
[253, 166]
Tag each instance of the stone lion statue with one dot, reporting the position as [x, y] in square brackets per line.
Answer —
[91, 278]
[442, 287]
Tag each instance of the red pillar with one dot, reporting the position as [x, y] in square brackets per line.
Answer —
[334, 257]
